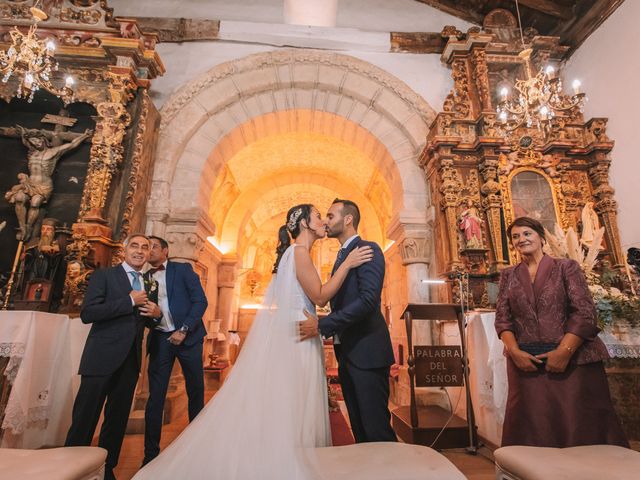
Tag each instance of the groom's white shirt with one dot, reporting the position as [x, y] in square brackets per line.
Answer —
[336, 338]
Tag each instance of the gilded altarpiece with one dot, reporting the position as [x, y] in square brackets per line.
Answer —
[483, 177]
[112, 63]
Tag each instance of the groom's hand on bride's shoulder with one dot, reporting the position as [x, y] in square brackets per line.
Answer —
[308, 328]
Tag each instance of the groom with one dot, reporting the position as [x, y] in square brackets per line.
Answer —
[360, 334]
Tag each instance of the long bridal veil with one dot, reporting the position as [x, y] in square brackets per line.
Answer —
[252, 427]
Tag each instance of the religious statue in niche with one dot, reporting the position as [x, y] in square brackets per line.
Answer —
[531, 196]
[470, 224]
[75, 285]
[44, 254]
[590, 224]
[34, 190]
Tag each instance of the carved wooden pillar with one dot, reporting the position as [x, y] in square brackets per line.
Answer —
[450, 186]
[492, 205]
[480, 75]
[606, 206]
[106, 157]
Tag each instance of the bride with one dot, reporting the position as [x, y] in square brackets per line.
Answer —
[272, 409]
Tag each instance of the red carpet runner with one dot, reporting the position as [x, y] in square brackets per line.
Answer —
[340, 431]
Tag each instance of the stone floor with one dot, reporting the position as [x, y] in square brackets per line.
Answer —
[475, 467]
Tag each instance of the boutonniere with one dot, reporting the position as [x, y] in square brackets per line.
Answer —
[150, 284]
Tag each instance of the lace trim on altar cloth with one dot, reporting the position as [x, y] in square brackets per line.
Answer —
[621, 350]
[18, 422]
[15, 352]
[625, 344]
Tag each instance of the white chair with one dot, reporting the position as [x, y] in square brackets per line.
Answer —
[385, 461]
[591, 462]
[68, 463]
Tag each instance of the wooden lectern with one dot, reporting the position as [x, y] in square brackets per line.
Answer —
[433, 425]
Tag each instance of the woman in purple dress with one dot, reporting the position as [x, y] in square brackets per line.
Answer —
[545, 316]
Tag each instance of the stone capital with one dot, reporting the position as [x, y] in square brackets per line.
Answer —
[415, 249]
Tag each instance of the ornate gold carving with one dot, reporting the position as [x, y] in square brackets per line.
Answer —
[450, 187]
[74, 15]
[492, 205]
[121, 88]
[481, 77]
[606, 206]
[106, 156]
[15, 12]
[117, 255]
[597, 131]
[78, 271]
[573, 159]
[451, 32]
[458, 102]
[135, 173]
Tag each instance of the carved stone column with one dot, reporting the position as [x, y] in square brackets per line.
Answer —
[227, 277]
[184, 245]
[415, 251]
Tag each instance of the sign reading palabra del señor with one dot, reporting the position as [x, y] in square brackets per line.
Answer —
[438, 366]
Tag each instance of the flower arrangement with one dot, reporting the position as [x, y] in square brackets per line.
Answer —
[612, 304]
[151, 287]
[606, 285]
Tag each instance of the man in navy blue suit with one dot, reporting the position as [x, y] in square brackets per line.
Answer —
[178, 334]
[117, 307]
[360, 334]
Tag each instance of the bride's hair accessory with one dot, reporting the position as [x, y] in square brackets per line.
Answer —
[293, 219]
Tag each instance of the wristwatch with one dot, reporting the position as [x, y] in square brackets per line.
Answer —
[184, 329]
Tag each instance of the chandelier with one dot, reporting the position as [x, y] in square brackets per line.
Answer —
[539, 97]
[31, 60]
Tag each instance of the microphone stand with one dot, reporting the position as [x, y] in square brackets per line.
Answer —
[463, 278]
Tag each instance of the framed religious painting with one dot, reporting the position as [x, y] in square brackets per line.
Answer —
[531, 193]
[37, 296]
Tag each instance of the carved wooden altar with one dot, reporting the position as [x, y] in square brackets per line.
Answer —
[112, 63]
[472, 167]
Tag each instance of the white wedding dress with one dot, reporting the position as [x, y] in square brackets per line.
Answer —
[272, 410]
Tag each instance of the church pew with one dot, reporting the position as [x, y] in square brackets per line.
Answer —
[69, 463]
[591, 462]
[385, 461]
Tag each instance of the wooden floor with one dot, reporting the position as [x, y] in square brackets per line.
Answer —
[475, 467]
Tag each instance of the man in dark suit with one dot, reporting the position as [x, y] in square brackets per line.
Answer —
[115, 305]
[360, 334]
[179, 334]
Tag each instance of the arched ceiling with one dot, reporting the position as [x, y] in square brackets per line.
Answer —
[258, 181]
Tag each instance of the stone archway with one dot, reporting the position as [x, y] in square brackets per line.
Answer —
[203, 112]
[233, 106]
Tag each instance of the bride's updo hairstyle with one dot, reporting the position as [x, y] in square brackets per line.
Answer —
[291, 229]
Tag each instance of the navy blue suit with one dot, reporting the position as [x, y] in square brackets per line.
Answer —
[365, 353]
[187, 304]
[110, 363]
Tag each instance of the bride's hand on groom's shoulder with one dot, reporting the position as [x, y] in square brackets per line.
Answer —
[308, 328]
[358, 256]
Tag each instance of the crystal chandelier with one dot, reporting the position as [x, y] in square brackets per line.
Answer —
[31, 60]
[540, 97]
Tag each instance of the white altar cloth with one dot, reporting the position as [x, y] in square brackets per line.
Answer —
[42, 366]
[487, 374]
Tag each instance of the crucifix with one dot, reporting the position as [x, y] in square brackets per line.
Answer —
[45, 147]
